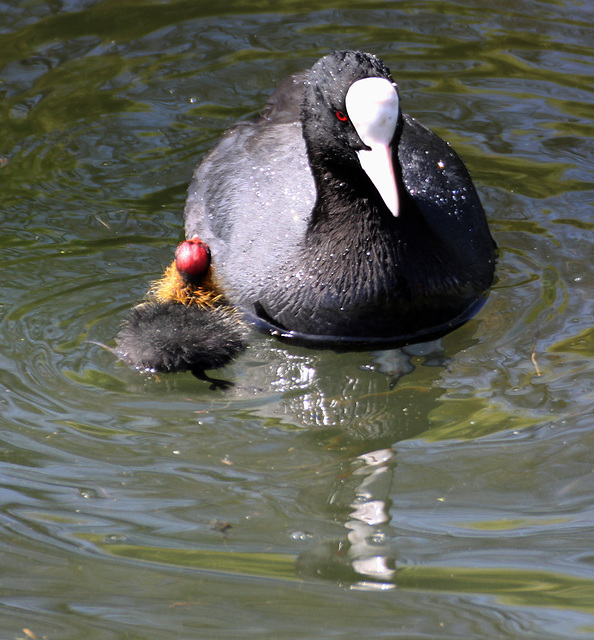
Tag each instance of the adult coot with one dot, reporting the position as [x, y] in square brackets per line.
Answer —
[336, 218]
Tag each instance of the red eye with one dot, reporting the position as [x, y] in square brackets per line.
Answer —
[341, 116]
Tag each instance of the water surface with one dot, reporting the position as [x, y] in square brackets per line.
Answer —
[315, 499]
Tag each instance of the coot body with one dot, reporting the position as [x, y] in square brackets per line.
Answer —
[310, 243]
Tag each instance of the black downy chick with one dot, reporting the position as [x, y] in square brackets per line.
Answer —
[185, 324]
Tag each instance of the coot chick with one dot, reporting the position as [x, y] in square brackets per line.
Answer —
[185, 324]
[338, 219]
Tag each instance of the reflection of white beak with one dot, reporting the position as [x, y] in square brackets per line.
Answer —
[372, 105]
[369, 513]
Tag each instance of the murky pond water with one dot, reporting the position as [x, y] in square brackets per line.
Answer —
[314, 499]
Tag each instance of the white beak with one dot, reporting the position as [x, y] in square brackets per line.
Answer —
[372, 106]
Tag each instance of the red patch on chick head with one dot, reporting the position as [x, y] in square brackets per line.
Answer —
[192, 258]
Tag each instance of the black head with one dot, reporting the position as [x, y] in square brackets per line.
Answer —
[324, 115]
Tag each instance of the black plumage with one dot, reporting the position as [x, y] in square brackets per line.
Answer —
[305, 244]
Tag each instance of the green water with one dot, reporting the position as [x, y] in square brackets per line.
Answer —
[314, 500]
